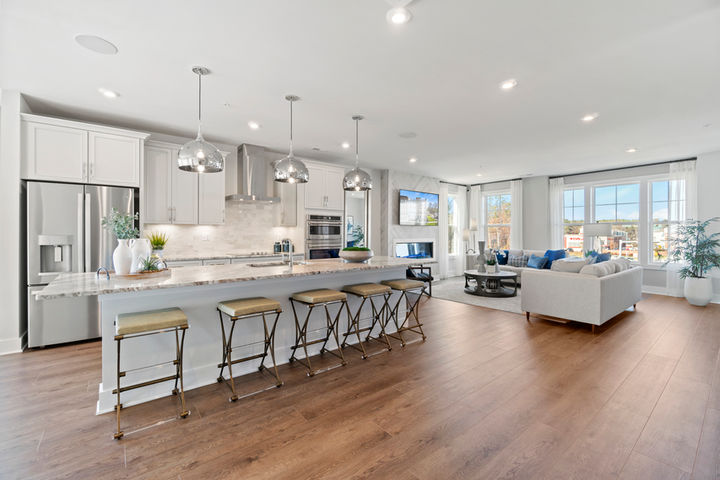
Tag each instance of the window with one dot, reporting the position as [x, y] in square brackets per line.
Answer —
[452, 225]
[667, 208]
[620, 206]
[497, 214]
[573, 220]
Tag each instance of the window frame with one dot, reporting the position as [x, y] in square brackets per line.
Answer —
[455, 225]
[573, 223]
[488, 225]
[652, 222]
[636, 223]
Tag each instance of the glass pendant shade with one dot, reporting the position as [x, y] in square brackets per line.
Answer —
[290, 169]
[198, 155]
[357, 179]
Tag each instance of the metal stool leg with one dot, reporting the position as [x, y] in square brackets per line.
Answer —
[119, 433]
[185, 412]
[270, 343]
[353, 326]
[301, 339]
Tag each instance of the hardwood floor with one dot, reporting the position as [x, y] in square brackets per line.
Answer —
[486, 396]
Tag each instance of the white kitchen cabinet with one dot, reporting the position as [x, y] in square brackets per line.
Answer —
[211, 198]
[324, 189]
[52, 152]
[113, 160]
[217, 261]
[61, 150]
[176, 196]
[184, 263]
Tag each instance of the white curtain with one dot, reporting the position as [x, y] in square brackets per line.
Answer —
[557, 189]
[461, 215]
[683, 206]
[475, 216]
[443, 247]
[516, 220]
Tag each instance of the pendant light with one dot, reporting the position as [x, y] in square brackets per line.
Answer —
[357, 180]
[290, 169]
[198, 155]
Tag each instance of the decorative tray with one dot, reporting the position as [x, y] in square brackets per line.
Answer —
[165, 271]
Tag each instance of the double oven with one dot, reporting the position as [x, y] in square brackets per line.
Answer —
[324, 236]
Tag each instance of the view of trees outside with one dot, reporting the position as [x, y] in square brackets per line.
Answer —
[498, 211]
[619, 205]
[574, 218]
[666, 214]
[452, 225]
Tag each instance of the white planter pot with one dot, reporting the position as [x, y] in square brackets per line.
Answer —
[356, 256]
[122, 257]
[698, 291]
[490, 268]
[141, 249]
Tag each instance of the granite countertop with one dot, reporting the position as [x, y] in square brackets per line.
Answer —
[83, 284]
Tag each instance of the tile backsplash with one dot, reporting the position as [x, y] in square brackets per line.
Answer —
[247, 228]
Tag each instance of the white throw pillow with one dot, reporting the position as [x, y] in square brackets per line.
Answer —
[568, 265]
[598, 269]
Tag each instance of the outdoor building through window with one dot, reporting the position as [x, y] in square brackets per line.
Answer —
[573, 220]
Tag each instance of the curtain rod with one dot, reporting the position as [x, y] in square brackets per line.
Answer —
[496, 181]
[453, 183]
[623, 168]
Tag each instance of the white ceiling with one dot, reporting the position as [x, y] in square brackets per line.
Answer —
[651, 68]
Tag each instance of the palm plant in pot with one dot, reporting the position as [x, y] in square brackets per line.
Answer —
[698, 252]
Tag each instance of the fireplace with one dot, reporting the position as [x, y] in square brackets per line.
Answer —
[415, 249]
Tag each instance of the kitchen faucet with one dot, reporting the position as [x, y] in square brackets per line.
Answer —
[291, 249]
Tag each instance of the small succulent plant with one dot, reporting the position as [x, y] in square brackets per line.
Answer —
[149, 264]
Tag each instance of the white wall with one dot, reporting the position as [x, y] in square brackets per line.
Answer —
[13, 328]
[536, 217]
[708, 200]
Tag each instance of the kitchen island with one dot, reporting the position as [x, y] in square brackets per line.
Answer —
[196, 290]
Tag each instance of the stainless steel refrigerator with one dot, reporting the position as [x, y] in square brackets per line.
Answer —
[64, 235]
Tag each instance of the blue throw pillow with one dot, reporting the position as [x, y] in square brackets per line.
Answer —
[502, 259]
[553, 255]
[602, 257]
[537, 262]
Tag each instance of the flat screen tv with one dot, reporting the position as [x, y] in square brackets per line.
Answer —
[419, 208]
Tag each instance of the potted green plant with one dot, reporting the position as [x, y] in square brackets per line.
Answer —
[356, 254]
[123, 227]
[157, 242]
[491, 264]
[698, 252]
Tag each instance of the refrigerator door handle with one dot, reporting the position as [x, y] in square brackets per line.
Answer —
[88, 259]
[80, 233]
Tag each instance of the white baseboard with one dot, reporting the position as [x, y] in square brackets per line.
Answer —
[13, 345]
[663, 291]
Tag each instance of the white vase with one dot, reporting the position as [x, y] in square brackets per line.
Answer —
[122, 257]
[141, 249]
[490, 268]
[698, 291]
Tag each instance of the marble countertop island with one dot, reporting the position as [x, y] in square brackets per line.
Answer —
[82, 284]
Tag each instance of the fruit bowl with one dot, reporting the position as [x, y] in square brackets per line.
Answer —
[356, 256]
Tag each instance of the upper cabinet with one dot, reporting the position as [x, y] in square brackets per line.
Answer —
[68, 151]
[175, 196]
[324, 189]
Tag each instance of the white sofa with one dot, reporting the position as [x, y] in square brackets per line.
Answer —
[580, 297]
[519, 270]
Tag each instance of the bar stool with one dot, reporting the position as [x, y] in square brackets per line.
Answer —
[379, 316]
[412, 308]
[312, 299]
[140, 324]
[241, 309]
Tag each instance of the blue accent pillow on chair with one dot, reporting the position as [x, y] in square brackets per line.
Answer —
[553, 255]
[537, 262]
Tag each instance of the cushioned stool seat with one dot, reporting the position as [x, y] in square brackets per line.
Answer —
[366, 289]
[248, 306]
[403, 284]
[319, 296]
[130, 323]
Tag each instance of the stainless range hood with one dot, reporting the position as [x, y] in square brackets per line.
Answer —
[254, 183]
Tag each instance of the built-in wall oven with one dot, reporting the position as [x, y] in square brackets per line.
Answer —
[324, 236]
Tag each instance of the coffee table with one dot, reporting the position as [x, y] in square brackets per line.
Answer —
[490, 284]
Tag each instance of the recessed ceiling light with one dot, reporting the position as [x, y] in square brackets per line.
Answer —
[398, 15]
[407, 135]
[96, 44]
[108, 93]
[478, 174]
[253, 125]
[316, 149]
[509, 84]
[631, 150]
[413, 160]
[345, 145]
[590, 117]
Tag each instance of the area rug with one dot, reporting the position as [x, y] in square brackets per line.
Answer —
[452, 289]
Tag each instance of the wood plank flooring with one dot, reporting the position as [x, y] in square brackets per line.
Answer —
[486, 396]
